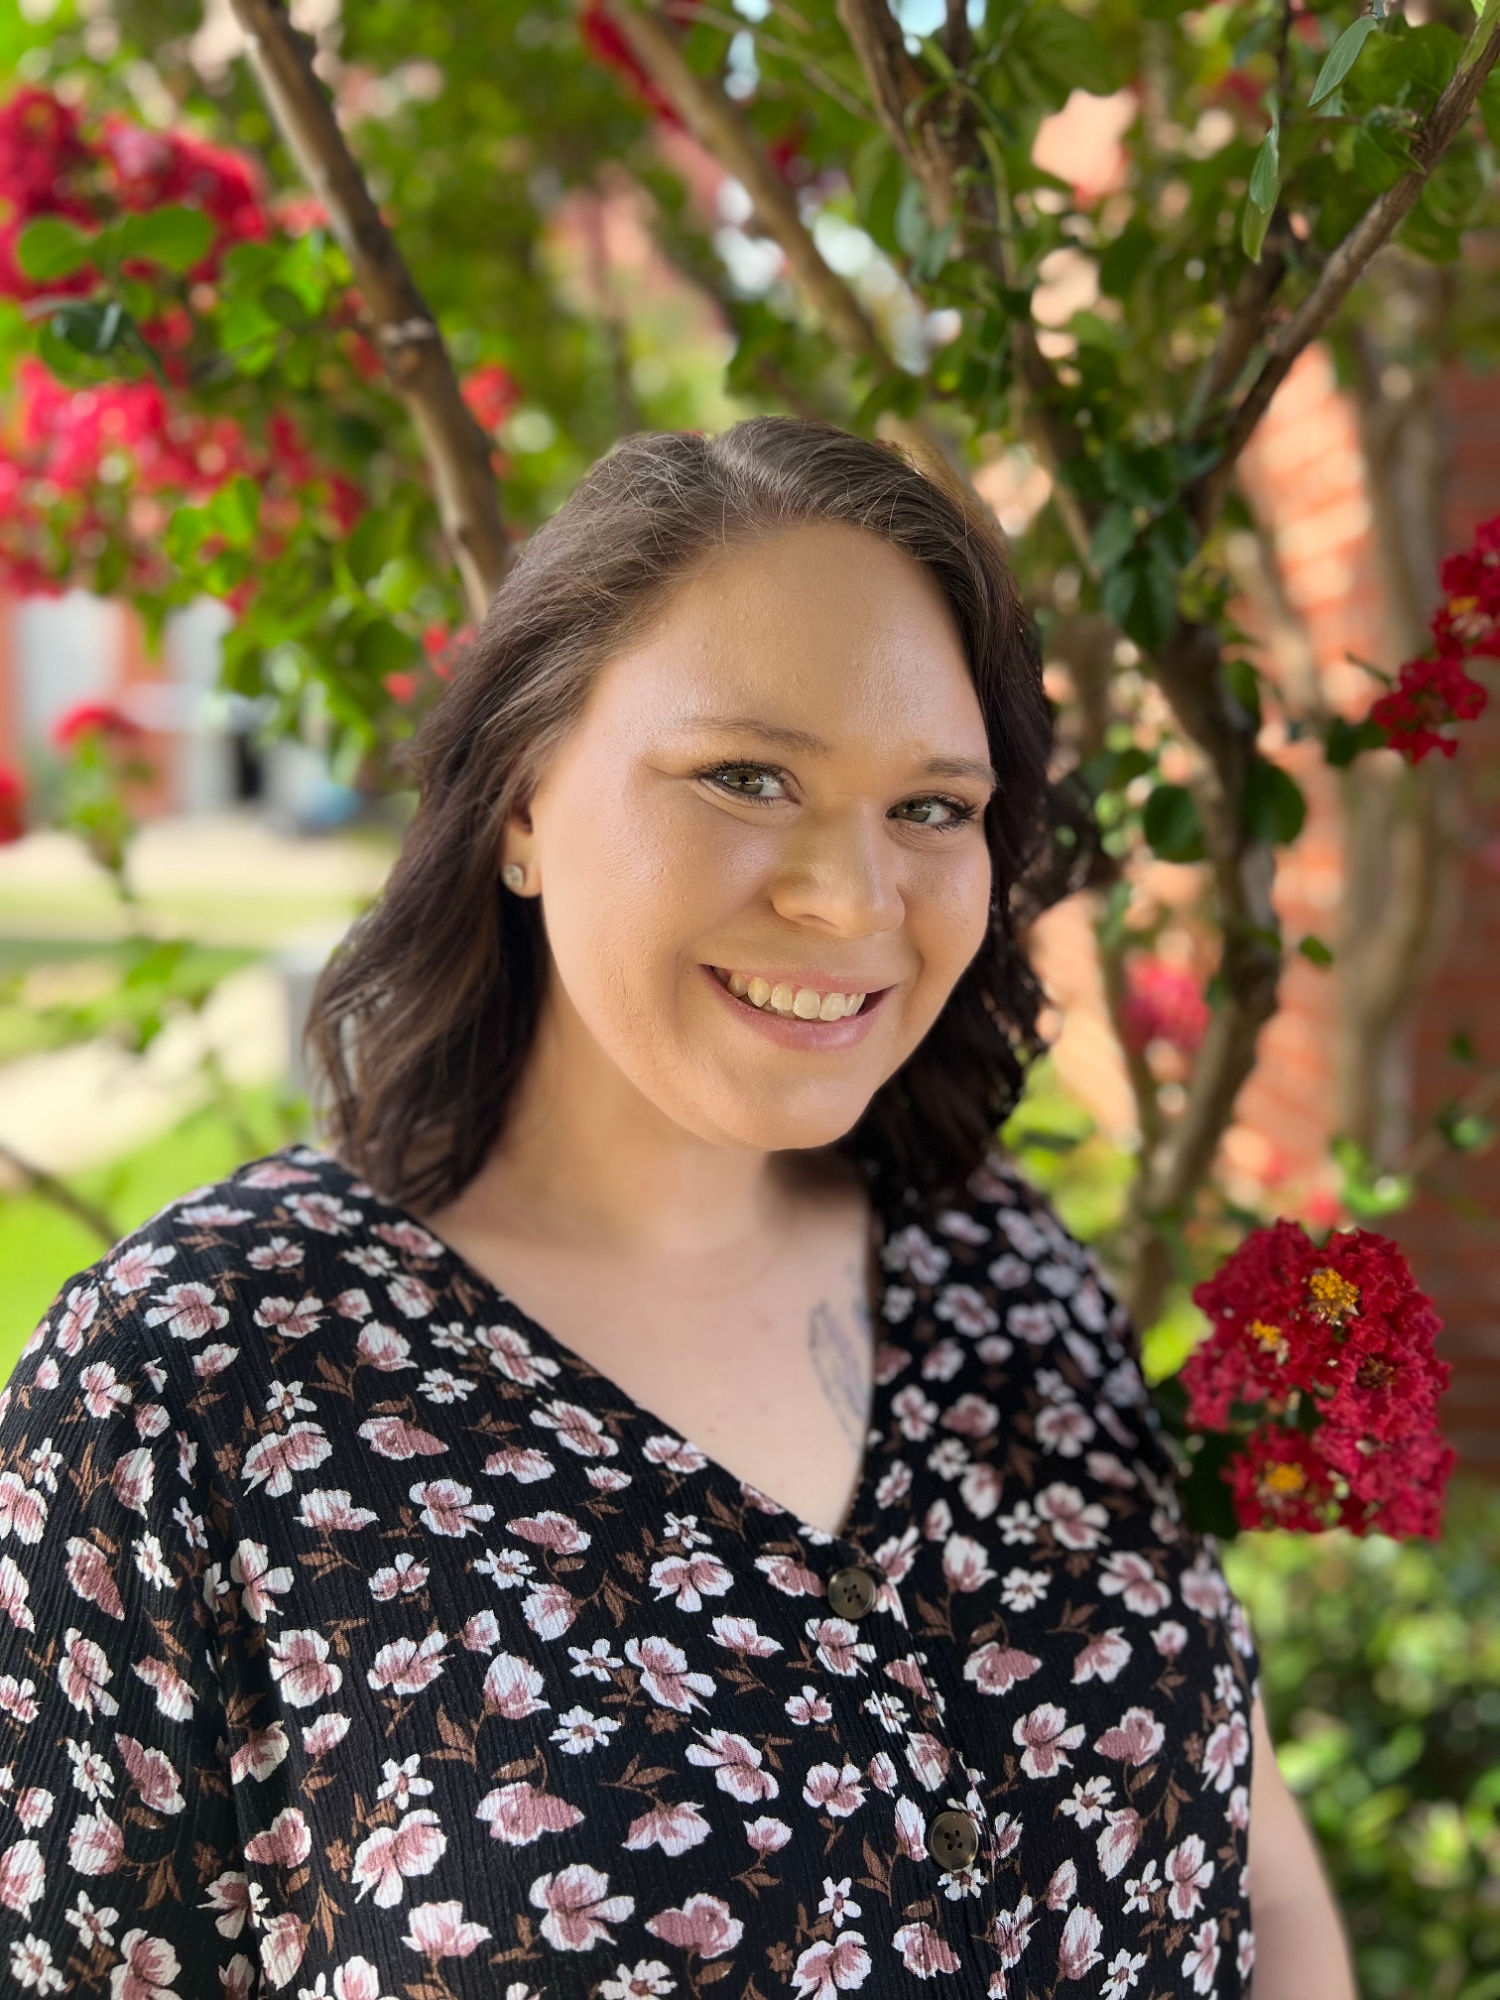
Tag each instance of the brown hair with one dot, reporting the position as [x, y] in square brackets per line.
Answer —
[423, 1021]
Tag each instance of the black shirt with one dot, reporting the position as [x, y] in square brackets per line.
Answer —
[360, 1640]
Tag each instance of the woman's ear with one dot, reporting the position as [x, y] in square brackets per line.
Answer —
[519, 868]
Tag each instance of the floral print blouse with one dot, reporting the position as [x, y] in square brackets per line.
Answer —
[360, 1641]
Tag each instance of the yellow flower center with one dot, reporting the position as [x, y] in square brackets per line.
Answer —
[1270, 1338]
[1334, 1300]
[1283, 1479]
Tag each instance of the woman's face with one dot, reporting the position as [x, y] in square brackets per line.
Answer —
[776, 796]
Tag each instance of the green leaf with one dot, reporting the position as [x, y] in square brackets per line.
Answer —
[383, 648]
[283, 305]
[1265, 171]
[51, 248]
[1345, 740]
[186, 533]
[1243, 683]
[1174, 537]
[1316, 952]
[1171, 824]
[1143, 476]
[1341, 58]
[235, 510]
[176, 238]
[1368, 1193]
[1140, 594]
[1465, 1131]
[1067, 51]
[1461, 1047]
[1274, 808]
[1114, 535]
[1253, 230]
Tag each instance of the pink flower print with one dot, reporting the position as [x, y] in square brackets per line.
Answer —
[18, 1699]
[971, 1417]
[300, 1662]
[979, 1489]
[607, 1479]
[1169, 1638]
[324, 1213]
[259, 1755]
[924, 1952]
[103, 1393]
[276, 1459]
[513, 1688]
[14, 1591]
[260, 1584]
[1031, 1323]
[1011, 1932]
[995, 1669]
[1188, 1873]
[326, 1734]
[785, 1574]
[1104, 1658]
[963, 1307]
[409, 1296]
[965, 1567]
[402, 1578]
[1063, 1887]
[22, 1874]
[440, 1930]
[34, 1807]
[355, 1979]
[1245, 1955]
[1077, 1954]
[1046, 1736]
[394, 1437]
[838, 1645]
[690, 1579]
[1226, 1749]
[1118, 1841]
[703, 1925]
[292, 1319]
[392, 1854]
[277, 1254]
[134, 1269]
[153, 1774]
[519, 1814]
[96, 1843]
[1130, 1575]
[1201, 1962]
[837, 1903]
[406, 1666]
[577, 1429]
[1064, 1428]
[80, 1309]
[353, 1304]
[332, 1509]
[834, 1789]
[911, 1831]
[1135, 1739]
[1076, 1523]
[915, 1413]
[174, 1697]
[550, 1610]
[134, 1479]
[961, 1226]
[1204, 1589]
[674, 1829]
[1239, 1808]
[510, 1352]
[767, 1835]
[929, 1759]
[743, 1636]
[150, 1966]
[579, 1907]
[830, 1967]
[1121, 1974]
[82, 1674]
[894, 1485]
[558, 1532]
[382, 1348]
[229, 1897]
[286, 1842]
[665, 1676]
[23, 1511]
[913, 1250]
[646, 1982]
[408, 1237]
[521, 1463]
[673, 1454]
[188, 1312]
[736, 1765]
[449, 1509]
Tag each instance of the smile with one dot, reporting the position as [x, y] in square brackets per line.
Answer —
[802, 1003]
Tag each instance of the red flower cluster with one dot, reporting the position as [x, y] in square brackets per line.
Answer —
[491, 392]
[49, 165]
[1162, 1004]
[12, 806]
[1430, 693]
[606, 43]
[1324, 1356]
[92, 718]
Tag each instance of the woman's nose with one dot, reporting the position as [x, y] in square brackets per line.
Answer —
[840, 872]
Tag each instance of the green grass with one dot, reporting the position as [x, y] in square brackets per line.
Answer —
[41, 1246]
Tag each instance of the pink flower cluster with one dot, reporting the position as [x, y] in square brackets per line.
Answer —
[1322, 1357]
[1430, 693]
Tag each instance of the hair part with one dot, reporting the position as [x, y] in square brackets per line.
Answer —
[423, 1022]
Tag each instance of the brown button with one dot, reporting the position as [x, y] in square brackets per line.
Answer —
[852, 1592]
[952, 1840]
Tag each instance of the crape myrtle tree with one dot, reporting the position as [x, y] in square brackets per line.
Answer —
[279, 331]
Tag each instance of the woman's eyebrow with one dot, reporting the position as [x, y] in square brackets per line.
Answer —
[804, 739]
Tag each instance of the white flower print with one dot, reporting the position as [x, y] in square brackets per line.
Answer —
[1188, 1873]
[1046, 1735]
[579, 1908]
[578, 1731]
[1200, 1962]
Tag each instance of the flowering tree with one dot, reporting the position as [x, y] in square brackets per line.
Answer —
[226, 378]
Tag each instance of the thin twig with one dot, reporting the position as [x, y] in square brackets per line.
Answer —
[56, 1191]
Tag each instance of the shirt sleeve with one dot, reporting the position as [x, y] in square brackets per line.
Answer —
[119, 1864]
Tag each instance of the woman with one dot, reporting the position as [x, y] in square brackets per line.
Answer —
[659, 1507]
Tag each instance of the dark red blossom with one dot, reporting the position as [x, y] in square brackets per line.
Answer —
[1428, 695]
[12, 806]
[1330, 1346]
[92, 718]
[491, 392]
[605, 41]
[1163, 1004]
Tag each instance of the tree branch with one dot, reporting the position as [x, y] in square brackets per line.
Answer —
[718, 127]
[421, 372]
[903, 100]
[50, 1188]
[1349, 261]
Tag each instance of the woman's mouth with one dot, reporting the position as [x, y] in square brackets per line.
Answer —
[791, 1001]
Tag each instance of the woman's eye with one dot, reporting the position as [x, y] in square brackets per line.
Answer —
[939, 813]
[748, 781]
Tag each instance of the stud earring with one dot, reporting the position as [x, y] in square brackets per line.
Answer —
[513, 875]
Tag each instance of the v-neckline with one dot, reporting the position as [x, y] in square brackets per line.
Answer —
[639, 1413]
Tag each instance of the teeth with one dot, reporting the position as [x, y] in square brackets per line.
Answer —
[804, 1003]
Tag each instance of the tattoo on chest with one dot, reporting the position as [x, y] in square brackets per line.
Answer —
[839, 1345]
